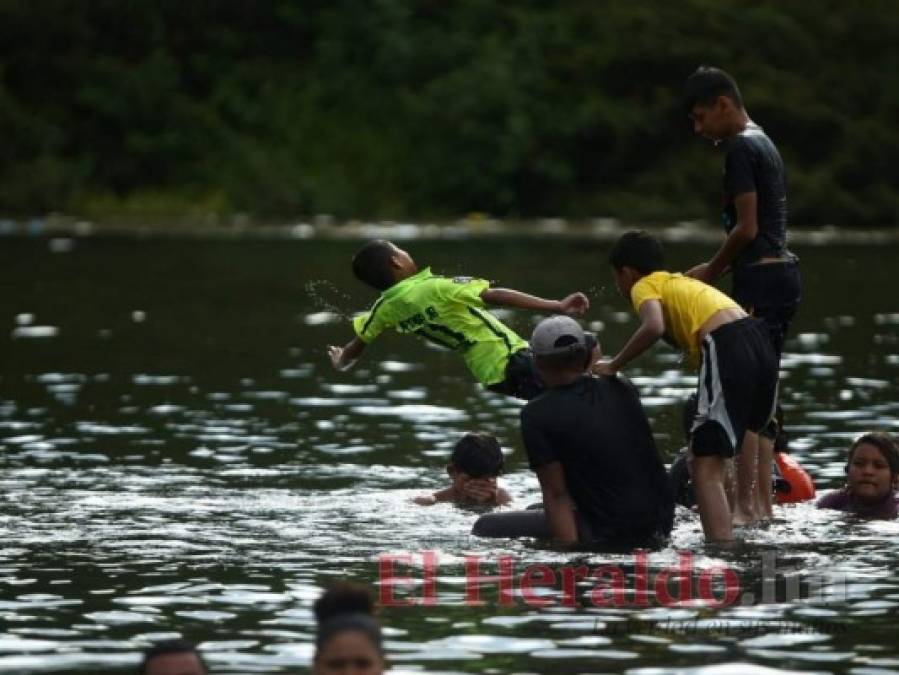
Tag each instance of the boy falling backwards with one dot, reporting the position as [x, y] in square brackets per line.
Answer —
[451, 313]
[738, 372]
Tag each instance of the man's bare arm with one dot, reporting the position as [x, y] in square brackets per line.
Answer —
[744, 232]
[557, 502]
[652, 327]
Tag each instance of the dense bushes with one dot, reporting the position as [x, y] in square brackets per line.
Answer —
[386, 108]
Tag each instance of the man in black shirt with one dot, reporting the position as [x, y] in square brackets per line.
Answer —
[590, 444]
[765, 273]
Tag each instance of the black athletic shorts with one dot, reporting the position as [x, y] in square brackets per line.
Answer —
[770, 292]
[737, 387]
[522, 380]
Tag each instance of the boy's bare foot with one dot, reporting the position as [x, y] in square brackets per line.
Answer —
[741, 517]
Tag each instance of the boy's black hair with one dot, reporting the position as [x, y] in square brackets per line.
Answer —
[371, 264]
[637, 249]
[343, 598]
[479, 455]
[881, 440]
[706, 84]
[169, 647]
[346, 607]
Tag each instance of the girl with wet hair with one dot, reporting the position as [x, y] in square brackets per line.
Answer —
[349, 636]
[872, 479]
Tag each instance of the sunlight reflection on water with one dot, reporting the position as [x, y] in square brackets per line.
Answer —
[214, 494]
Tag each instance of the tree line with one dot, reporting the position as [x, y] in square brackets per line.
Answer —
[435, 108]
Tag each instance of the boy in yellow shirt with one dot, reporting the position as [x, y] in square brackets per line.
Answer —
[737, 385]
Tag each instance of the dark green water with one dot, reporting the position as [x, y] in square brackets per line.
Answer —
[178, 458]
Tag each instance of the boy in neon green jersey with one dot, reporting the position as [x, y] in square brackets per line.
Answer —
[451, 313]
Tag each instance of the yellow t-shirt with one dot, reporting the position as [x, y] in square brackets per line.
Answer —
[686, 305]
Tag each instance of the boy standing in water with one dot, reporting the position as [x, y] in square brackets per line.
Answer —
[765, 273]
[738, 373]
[450, 313]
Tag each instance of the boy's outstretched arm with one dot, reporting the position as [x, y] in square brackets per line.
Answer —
[344, 358]
[652, 327]
[557, 502]
[444, 495]
[576, 303]
[747, 228]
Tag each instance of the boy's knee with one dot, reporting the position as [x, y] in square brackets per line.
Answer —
[708, 467]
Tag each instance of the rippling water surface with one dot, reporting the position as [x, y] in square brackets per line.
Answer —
[178, 458]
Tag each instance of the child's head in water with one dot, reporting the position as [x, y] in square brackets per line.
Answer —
[474, 466]
[349, 637]
[475, 455]
[872, 468]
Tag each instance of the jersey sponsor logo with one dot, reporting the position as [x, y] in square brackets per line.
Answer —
[462, 280]
[418, 319]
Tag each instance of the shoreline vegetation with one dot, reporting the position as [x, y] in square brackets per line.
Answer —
[473, 226]
[167, 112]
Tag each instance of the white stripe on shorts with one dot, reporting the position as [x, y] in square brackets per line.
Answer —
[711, 404]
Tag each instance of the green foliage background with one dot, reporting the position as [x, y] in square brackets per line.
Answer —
[435, 108]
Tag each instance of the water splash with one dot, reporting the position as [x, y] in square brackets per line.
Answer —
[324, 295]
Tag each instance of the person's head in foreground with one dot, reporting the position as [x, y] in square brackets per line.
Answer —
[872, 468]
[634, 255]
[172, 657]
[381, 264]
[563, 351]
[349, 637]
[713, 102]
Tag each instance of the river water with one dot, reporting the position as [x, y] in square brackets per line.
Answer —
[177, 457]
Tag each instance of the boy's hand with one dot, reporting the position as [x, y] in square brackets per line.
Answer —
[480, 491]
[344, 358]
[336, 355]
[425, 500]
[604, 367]
[702, 272]
[576, 303]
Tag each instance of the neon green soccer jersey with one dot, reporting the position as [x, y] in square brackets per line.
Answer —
[447, 312]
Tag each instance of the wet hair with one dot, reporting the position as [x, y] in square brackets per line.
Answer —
[346, 607]
[479, 455]
[706, 84]
[688, 415]
[371, 264]
[886, 444]
[164, 647]
[637, 249]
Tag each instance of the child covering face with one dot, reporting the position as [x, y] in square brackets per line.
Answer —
[872, 479]
[476, 462]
